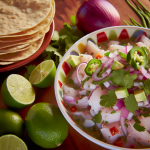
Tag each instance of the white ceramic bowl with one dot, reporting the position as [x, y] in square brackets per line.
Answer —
[116, 32]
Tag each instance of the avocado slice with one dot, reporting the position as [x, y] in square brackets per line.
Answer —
[117, 65]
[74, 60]
[121, 92]
[139, 95]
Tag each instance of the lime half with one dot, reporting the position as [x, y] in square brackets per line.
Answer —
[12, 142]
[17, 92]
[44, 74]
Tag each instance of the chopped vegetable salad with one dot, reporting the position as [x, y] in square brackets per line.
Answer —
[108, 92]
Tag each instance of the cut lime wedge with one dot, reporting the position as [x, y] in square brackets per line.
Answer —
[17, 92]
[12, 142]
[44, 74]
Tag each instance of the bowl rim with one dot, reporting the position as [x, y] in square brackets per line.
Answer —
[84, 134]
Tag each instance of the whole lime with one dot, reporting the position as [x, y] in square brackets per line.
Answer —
[11, 123]
[45, 125]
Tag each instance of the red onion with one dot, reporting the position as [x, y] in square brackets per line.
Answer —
[124, 112]
[123, 127]
[96, 14]
[120, 104]
[128, 48]
[78, 77]
[144, 72]
[69, 99]
[137, 112]
[96, 78]
[130, 115]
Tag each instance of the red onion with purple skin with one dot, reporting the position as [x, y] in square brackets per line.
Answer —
[96, 14]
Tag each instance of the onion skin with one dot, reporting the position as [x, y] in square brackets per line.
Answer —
[96, 14]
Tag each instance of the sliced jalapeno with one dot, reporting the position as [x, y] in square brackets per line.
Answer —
[137, 57]
[91, 66]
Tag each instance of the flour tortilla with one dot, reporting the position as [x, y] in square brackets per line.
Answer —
[17, 56]
[6, 62]
[14, 49]
[40, 26]
[20, 15]
[28, 41]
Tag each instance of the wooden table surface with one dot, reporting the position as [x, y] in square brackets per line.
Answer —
[64, 10]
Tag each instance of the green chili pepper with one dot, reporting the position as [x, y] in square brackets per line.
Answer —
[137, 57]
[92, 65]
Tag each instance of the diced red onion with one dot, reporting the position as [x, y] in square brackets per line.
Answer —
[69, 99]
[78, 77]
[108, 70]
[83, 92]
[111, 87]
[136, 84]
[109, 62]
[112, 55]
[124, 112]
[140, 104]
[122, 50]
[106, 84]
[115, 107]
[130, 115]
[140, 77]
[146, 102]
[124, 128]
[137, 113]
[120, 104]
[128, 48]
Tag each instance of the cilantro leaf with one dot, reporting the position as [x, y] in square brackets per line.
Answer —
[88, 93]
[145, 112]
[108, 100]
[101, 72]
[117, 76]
[126, 125]
[52, 53]
[26, 75]
[131, 103]
[138, 127]
[146, 86]
[136, 119]
[97, 118]
[113, 112]
[128, 80]
[122, 78]
[30, 68]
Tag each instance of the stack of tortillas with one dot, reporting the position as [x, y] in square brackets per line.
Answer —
[23, 25]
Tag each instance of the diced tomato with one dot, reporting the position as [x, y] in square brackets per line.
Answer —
[73, 109]
[118, 143]
[113, 131]
[98, 56]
